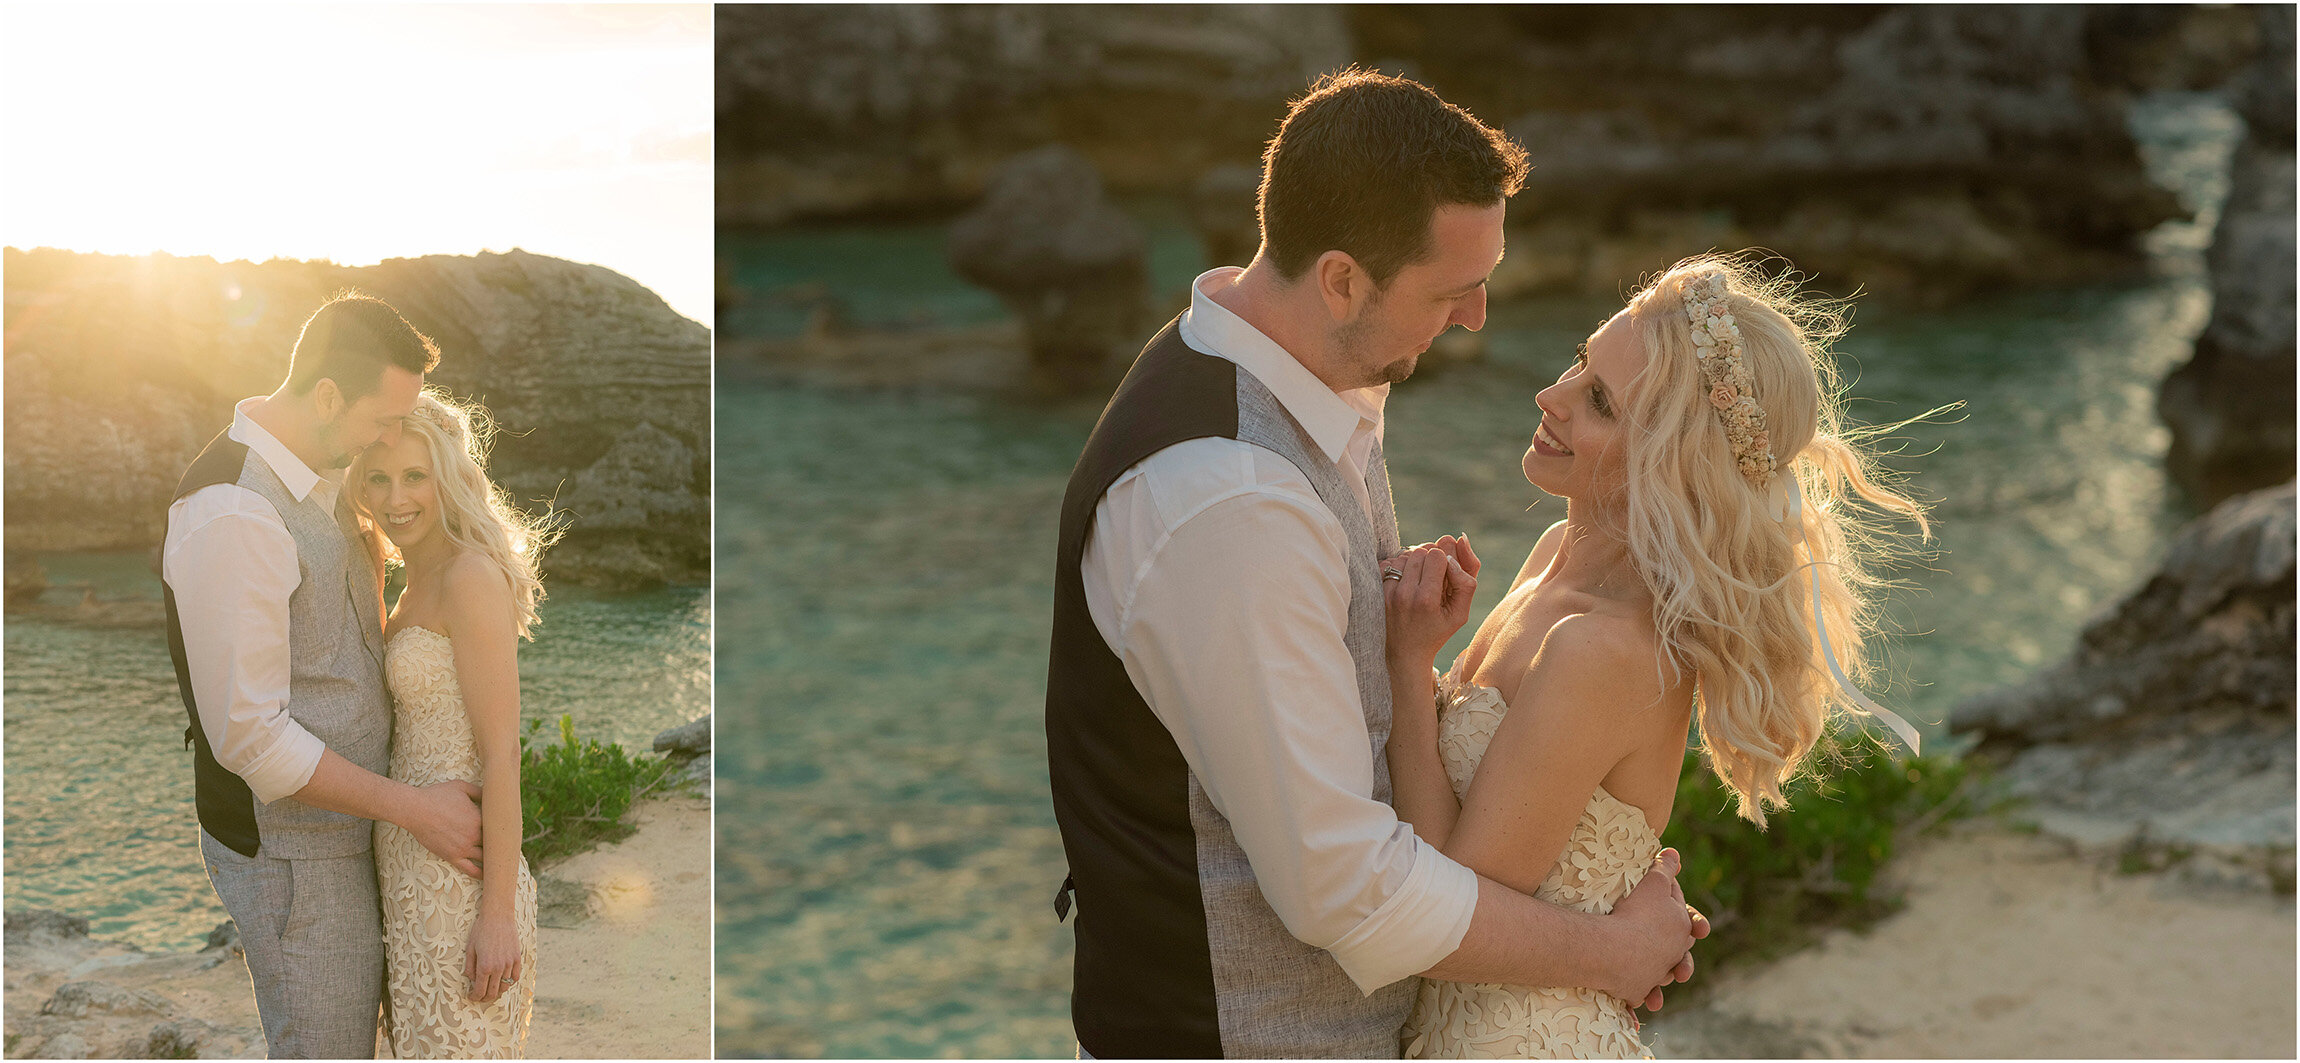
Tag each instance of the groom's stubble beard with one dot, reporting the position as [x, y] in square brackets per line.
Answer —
[330, 436]
[1353, 346]
[1396, 372]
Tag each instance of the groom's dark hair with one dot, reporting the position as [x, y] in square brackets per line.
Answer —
[1361, 163]
[350, 339]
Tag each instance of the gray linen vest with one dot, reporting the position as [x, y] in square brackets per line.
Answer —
[335, 648]
[1179, 955]
[1277, 996]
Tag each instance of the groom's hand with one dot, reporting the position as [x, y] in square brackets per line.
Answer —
[1659, 929]
[445, 820]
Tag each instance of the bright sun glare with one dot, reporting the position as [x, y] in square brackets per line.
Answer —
[359, 133]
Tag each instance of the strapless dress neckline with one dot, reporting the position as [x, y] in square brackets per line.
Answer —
[1454, 693]
[395, 636]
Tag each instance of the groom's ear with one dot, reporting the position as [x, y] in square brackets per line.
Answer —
[1342, 283]
[326, 398]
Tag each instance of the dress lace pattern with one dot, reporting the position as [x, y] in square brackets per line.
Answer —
[428, 906]
[1609, 850]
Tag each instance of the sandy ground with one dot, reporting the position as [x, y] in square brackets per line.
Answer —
[633, 981]
[2021, 946]
[625, 973]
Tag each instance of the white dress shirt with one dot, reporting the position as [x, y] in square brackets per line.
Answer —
[1222, 583]
[232, 564]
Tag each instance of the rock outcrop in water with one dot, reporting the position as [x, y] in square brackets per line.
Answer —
[2172, 722]
[1923, 152]
[1070, 265]
[688, 748]
[120, 368]
[2230, 407]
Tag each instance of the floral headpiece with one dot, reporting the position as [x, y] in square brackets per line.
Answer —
[447, 419]
[1717, 345]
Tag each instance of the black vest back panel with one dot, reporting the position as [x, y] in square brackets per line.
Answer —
[227, 807]
[1144, 982]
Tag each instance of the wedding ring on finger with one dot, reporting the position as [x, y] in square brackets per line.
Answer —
[1391, 573]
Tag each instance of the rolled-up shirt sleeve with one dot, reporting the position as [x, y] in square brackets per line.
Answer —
[232, 566]
[1234, 633]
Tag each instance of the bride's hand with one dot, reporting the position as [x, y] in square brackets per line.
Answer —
[491, 964]
[1427, 601]
[1462, 554]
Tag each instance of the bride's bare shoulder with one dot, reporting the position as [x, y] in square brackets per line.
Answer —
[474, 588]
[1544, 551]
[1598, 658]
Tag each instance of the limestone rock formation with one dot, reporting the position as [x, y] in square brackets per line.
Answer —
[689, 747]
[1922, 152]
[120, 368]
[2173, 718]
[857, 110]
[692, 738]
[42, 927]
[70, 996]
[2230, 407]
[1064, 259]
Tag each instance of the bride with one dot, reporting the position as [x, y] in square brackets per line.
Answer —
[1707, 572]
[460, 954]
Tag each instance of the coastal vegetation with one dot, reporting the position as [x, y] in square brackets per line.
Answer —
[1814, 866]
[573, 793]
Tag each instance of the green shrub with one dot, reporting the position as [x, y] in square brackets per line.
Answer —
[1768, 891]
[573, 794]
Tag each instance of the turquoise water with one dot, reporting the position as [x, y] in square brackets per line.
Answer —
[898, 276]
[99, 793]
[886, 853]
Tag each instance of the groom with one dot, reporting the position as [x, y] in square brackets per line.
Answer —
[1217, 699]
[275, 625]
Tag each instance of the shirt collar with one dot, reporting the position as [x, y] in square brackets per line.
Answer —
[1330, 417]
[298, 477]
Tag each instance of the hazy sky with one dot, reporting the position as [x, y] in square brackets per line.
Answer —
[363, 132]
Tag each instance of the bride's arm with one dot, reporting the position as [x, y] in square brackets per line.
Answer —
[484, 630]
[1523, 802]
[1421, 792]
[1572, 719]
[1421, 616]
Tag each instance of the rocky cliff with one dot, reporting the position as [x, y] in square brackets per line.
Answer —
[119, 368]
[888, 109]
[2230, 407]
[1924, 152]
[2172, 720]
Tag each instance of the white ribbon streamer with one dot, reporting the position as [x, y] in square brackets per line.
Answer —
[1796, 514]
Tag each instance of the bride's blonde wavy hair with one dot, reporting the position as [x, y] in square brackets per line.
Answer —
[474, 514]
[1732, 600]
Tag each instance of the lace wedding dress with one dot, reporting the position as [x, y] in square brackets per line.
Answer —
[429, 906]
[1609, 851]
